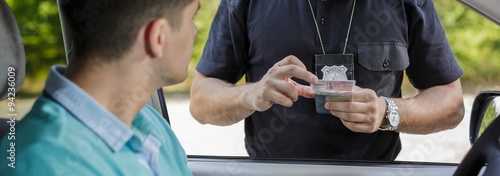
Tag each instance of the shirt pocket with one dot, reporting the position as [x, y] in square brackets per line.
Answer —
[381, 66]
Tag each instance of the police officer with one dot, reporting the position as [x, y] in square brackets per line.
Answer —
[277, 46]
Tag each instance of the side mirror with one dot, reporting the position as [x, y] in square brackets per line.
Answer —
[485, 134]
[485, 109]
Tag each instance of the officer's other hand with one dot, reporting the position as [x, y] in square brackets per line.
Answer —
[277, 87]
[363, 114]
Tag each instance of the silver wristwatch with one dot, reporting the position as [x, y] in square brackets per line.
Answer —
[392, 115]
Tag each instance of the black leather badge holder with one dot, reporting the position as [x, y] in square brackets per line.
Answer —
[332, 67]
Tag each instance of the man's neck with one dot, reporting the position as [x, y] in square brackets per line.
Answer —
[118, 87]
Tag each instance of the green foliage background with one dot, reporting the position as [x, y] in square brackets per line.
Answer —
[39, 24]
[475, 41]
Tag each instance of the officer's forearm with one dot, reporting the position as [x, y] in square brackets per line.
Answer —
[432, 110]
[216, 102]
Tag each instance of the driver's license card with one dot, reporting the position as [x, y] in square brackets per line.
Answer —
[333, 86]
[329, 91]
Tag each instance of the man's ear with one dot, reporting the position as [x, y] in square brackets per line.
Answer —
[156, 36]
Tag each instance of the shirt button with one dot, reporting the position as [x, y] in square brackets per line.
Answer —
[322, 21]
[385, 64]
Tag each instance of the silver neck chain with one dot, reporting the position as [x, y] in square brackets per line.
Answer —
[319, 33]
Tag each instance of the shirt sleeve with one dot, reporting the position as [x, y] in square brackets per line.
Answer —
[226, 49]
[432, 61]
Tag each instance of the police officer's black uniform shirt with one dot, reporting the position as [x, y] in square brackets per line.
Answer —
[387, 38]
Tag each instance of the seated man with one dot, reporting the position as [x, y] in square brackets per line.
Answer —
[92, 118]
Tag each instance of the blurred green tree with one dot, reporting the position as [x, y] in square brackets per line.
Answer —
[476, 43]
[38, 21]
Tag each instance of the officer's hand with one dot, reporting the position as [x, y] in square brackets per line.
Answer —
[276, 87]
[364, 114]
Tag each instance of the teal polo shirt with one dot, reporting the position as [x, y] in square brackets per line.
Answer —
[68, 133]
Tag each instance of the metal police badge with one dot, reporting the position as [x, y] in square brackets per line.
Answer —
[339, 67]
[337, 73]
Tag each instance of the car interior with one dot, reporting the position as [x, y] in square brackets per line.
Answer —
[482, 159]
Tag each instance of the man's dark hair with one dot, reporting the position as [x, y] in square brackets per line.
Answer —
[108, 28]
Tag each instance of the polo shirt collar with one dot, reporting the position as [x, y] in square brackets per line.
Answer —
[86, 109]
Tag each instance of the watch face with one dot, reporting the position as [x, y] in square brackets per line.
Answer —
[394, 118]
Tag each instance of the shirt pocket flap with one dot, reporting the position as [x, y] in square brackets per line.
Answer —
[383, 56]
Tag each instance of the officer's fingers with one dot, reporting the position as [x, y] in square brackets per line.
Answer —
[288, 89]
[351, 117]
[359, 127]
[285, 86]
[305, 91]
[341, 106]
[287, 68]
[364, 95]
[352, 107]
[356, 88]
[289, 71]
[279, 98]
[302, 90]
[291, 60]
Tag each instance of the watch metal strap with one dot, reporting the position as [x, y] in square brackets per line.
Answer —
[390, 105]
